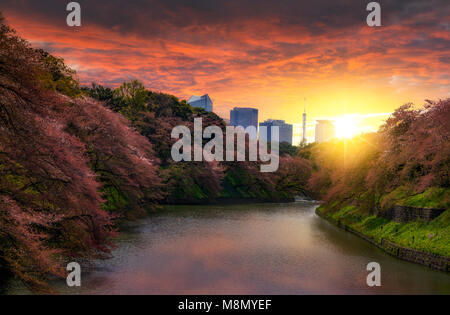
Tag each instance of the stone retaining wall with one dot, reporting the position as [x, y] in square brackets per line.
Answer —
[404, 214]
[413, 255]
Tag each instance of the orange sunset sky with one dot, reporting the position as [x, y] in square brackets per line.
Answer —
[264, 54]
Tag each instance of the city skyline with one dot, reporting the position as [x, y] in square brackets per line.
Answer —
[271, 57]
[346, 126]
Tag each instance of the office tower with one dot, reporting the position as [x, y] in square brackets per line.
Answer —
[285, 130]
[245, 117]
[203, 101]
[324, 130]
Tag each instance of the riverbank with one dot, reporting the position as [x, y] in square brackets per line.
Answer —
[269, 248]
[380, 232]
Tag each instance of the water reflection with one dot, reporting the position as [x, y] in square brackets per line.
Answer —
[248, 249]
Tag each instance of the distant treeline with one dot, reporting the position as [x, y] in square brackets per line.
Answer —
[154, 115]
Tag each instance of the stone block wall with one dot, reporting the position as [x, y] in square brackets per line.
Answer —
[404, 214]
[413, 255]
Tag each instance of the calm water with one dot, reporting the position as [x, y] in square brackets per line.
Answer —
[247, 249]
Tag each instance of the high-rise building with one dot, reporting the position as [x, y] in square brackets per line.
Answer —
[285, 130]
[203, 101]
[324, 130]
[245, 117]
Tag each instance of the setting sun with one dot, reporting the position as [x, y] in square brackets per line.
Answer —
[346, 127]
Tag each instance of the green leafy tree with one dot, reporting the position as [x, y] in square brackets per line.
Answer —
[58, 77]
[134, 97]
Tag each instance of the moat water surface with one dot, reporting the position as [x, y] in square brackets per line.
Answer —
[246, 249]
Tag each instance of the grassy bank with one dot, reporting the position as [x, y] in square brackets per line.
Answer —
[391, 186]
[431, 237]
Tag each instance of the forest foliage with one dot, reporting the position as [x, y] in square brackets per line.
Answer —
[66, 161]
[155, 114]
[76, 161]
[407, 162]
[408, 155]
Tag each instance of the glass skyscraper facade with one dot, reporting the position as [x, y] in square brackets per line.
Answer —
[203, 101]
[285, 130]
[244, 117]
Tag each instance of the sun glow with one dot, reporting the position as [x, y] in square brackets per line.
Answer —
[346, 127]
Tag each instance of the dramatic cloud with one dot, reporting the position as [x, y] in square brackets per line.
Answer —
[266, 54]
